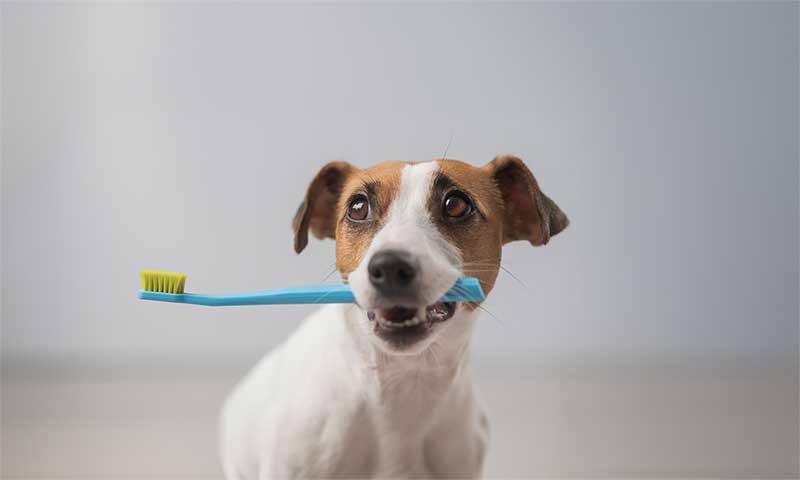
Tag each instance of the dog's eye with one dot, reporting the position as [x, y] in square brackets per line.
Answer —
[457, 205]
[358, 209]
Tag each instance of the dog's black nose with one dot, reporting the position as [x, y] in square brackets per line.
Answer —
[392, 272]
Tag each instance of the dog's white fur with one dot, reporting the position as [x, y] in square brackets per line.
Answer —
[335, 401]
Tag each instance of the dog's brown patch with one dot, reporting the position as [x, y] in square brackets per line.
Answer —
[380, 184]
[479, 238]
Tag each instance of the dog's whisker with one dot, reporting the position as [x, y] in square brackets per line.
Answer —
[447, 148]
[514, 276]
[335, 281]
[331, 272]
[322, 297]
[480, 306]
[490, 313]
[475, 267]
[493, 260]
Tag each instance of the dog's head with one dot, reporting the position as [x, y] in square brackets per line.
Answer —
[405, 232]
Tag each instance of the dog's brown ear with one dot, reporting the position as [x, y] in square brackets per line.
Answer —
[318, 210]
[529, 213]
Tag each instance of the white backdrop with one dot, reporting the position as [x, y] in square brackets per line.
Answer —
[656, 337]
[170, 137]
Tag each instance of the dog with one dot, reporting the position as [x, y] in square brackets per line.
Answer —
[383, 388]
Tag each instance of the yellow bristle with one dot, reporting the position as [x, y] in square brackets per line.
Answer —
[163, 282]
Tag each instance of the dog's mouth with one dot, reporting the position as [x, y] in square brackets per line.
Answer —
[405, 325]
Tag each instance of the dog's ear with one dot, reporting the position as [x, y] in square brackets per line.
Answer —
[529, 214]
[318, 210]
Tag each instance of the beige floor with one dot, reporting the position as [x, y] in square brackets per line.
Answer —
[87, 421]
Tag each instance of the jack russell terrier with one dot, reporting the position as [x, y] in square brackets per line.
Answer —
[384, 389]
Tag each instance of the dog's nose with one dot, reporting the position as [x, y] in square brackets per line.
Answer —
[392, 272]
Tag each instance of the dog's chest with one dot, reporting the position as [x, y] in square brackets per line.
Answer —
[369, 442]
[389, 427]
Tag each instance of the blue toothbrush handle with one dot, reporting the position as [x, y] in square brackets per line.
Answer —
[464, 290]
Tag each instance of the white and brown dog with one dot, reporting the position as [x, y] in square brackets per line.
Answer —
[384, 389]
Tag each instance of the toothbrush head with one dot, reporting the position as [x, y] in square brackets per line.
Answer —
[162, 282]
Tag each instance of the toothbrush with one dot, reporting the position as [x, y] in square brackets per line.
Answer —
[168, 287]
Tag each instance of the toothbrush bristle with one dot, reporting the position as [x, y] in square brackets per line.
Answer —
[163, 282]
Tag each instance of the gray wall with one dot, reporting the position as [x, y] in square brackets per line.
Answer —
[182, 137]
